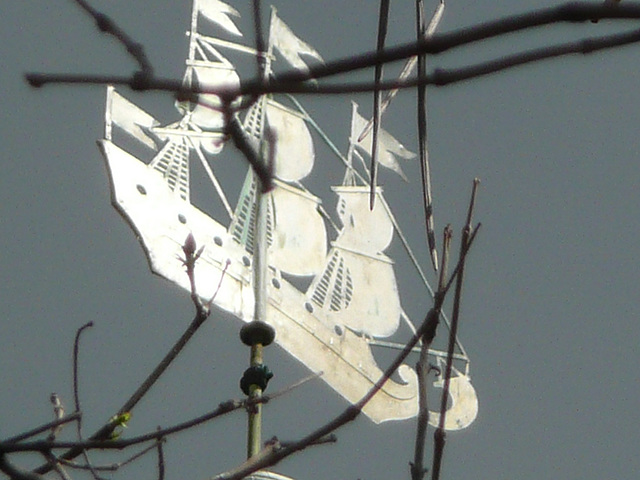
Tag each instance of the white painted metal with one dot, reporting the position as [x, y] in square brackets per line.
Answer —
[353, 295]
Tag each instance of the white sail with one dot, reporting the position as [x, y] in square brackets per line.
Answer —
[294, 153]
[389, 147]
[219, 12]
[299, 238]
[296, 234]
[358, 287]
[207, 114]
[374, 308]
[367, 231]
[289, 45]
[129, 117]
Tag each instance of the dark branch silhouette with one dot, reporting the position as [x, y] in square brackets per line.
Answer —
[297, 82]
[234, 100]
[440, 433]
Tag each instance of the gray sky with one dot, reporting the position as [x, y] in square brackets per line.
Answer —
[550, 311]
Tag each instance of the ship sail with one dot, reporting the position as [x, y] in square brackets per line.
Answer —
[296, 234]
[207, 113]
[299, 239]
[299, 243]
[294, 155]
[358, 288]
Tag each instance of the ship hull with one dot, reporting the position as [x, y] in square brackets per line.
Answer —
[162, 221]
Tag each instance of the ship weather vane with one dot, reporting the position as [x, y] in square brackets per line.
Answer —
[349, 302]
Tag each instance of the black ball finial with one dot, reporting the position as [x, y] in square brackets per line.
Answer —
[257, 332]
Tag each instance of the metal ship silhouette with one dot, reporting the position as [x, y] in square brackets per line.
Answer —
[351, 301]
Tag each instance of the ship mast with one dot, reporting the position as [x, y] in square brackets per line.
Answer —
[262, 333]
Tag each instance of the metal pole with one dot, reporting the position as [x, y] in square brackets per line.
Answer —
[258, 333]
[254, 433]
[254, 439]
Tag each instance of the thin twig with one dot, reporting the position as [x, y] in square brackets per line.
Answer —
[16, 473]
[260, 43]
[568, 13]
[223, 409]
[76, 347]
[441, 77]
[106, 431]
[160, 458]
[440, 434]
[383, 20]
[242, 143]
[422, 369]
[297, 81]
[106, 25]
[408, 68]
[425, 32]
[76, 398]
[114, 466]
[321, 441]
[57, 466]
[43, 428]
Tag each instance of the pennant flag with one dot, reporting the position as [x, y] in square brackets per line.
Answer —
[130, 118]
[388, 147]
[218, 12]
[289, 45]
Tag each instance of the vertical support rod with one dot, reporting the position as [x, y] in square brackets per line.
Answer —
[260, 263]
[254, 434]
[260, 251]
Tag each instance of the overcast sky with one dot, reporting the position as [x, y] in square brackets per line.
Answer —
[550, 309]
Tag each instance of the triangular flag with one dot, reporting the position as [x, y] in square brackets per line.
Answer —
[389, 147]
[218, 12]
[289, 45]
[130, 118]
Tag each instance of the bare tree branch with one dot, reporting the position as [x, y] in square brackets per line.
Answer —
[297, 81]
[242, 143]
[259, 34]
[106, 25]
[424, 31]
[422, 369]
[440, 434]
[10, 446]
[160, 458]
[439, 43]
[15, 473]
[43, 428]
[383, 20]
[76, 400]
[114, 466]
[202, 313]
[76, 348]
